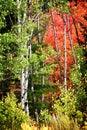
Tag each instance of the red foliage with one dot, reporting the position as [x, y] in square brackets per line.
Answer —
[81, 23]
[72, 4]
[74, 20]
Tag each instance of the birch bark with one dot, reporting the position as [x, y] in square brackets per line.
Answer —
[24, 73]
[65, 53]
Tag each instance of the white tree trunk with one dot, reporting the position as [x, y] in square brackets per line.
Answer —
[65, 53]
[24, 89]
[24, 73]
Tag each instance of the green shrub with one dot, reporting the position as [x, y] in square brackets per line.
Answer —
[79, 116]
[44, 117]
[67, 104]
[81, 98]
[58, 122]
[11, 114]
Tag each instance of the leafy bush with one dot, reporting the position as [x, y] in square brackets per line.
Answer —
[75, 76]
[81, 98]
[67, 104]
[11, 114]
[57, 121]
[78, 71]
[44, 117]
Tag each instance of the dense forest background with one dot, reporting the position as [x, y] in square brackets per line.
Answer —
[43, 64]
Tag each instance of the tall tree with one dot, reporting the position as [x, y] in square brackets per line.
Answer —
[65, 52]
[24, 73]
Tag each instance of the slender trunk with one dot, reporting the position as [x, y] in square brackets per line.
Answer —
[24, 73]
[65, 53]
[70, 38]
[24, 89]
[25, 77]
[56, 44]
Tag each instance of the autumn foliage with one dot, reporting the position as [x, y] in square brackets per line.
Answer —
[76, 23]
